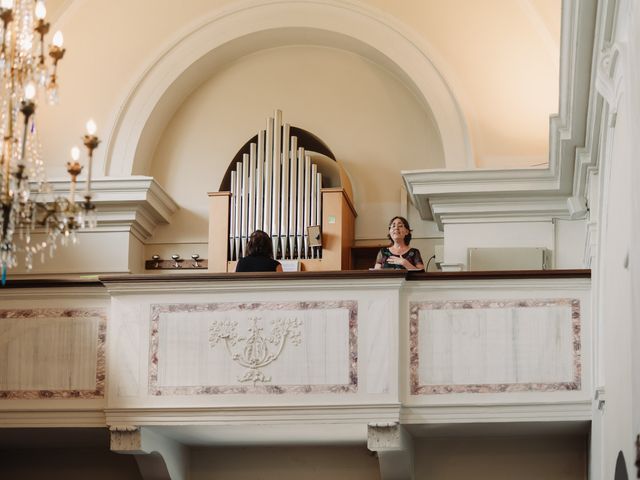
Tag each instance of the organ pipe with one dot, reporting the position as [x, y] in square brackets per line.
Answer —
[275, 188]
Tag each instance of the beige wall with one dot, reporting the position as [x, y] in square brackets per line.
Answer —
[497, 458]
[369, 119]
[502, 458]
[67, 464]
[284, 463]
[500, 59]
[460, 458]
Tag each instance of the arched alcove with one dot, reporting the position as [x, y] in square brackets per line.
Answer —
[306, 140]
[248, 27]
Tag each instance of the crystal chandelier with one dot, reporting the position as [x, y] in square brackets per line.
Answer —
[27, 204]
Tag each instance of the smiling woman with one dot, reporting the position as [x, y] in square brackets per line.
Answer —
[399, 255]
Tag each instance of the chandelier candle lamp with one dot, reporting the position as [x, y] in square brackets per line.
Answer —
[27, 204]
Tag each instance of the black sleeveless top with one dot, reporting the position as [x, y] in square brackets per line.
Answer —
[413, 255]
[257, 263]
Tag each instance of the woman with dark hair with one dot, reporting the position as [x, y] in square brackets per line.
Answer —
[399, 255]
[259, 257]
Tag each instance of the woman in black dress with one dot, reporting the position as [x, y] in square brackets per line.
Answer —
[399, 255]
[259, 257]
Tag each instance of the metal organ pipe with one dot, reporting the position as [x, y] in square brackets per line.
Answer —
[275, 188]
[244, 212]
[232, 216]
[300, 205]
[293, 177]
[306, 210]
[260, 182]
[268, 176]
[312, 199]
[253, 183]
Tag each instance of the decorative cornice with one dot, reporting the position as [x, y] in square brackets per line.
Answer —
[602, 101]
[46, 417]
[355, 280]
[591, 243]
[227, 285]
[137, 204]
[123, 428]
[267, 415]
[512, 194]
[578, 410]
[451, 209]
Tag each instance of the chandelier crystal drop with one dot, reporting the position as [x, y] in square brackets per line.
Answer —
[28, 72]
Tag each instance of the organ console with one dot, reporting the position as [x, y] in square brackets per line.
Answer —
[282, 187]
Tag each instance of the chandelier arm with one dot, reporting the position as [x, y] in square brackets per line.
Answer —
[26, 200]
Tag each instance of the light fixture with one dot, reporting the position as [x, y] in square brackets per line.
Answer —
[26, 202]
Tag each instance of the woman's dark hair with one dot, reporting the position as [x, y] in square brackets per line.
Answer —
[260, 244]
[407, 237]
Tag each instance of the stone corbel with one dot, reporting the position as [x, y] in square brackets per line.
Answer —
[394, 446]
[158, 457]
[609, 78]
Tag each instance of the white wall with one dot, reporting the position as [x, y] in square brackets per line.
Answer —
[461, 237]
[616, 287]
[633, 68]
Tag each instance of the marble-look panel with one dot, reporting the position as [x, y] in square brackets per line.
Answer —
[485, 346]
[52, 353]
[260, 347]
[380, 336]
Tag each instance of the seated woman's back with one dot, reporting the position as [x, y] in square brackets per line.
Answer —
[257, 263]
[259, 255]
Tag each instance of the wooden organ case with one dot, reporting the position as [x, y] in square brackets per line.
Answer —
[283, 184]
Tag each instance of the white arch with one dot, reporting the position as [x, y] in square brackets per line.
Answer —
[253, 25]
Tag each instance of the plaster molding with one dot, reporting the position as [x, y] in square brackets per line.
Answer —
[123, 428]
[604, 90]
[236, 30]
[348, 413]
[610, 74]
[35, 417]
[456, 209]
[498, 412]
[241, 349]
[534, 286]
[394, 445]
[158, 457]
[208, 286]
[591, 244]
[513, 190]
[71, 295]
[126, 439]
[136, 204]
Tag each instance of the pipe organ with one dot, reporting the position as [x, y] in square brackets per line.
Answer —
[277, 187]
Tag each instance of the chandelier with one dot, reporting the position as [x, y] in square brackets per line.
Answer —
[27, 204]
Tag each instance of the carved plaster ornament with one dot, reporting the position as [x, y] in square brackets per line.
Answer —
[609, 77]
[254, 350]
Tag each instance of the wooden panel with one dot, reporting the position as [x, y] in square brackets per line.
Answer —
[218, 231]
[364, 258]
[336, 275]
